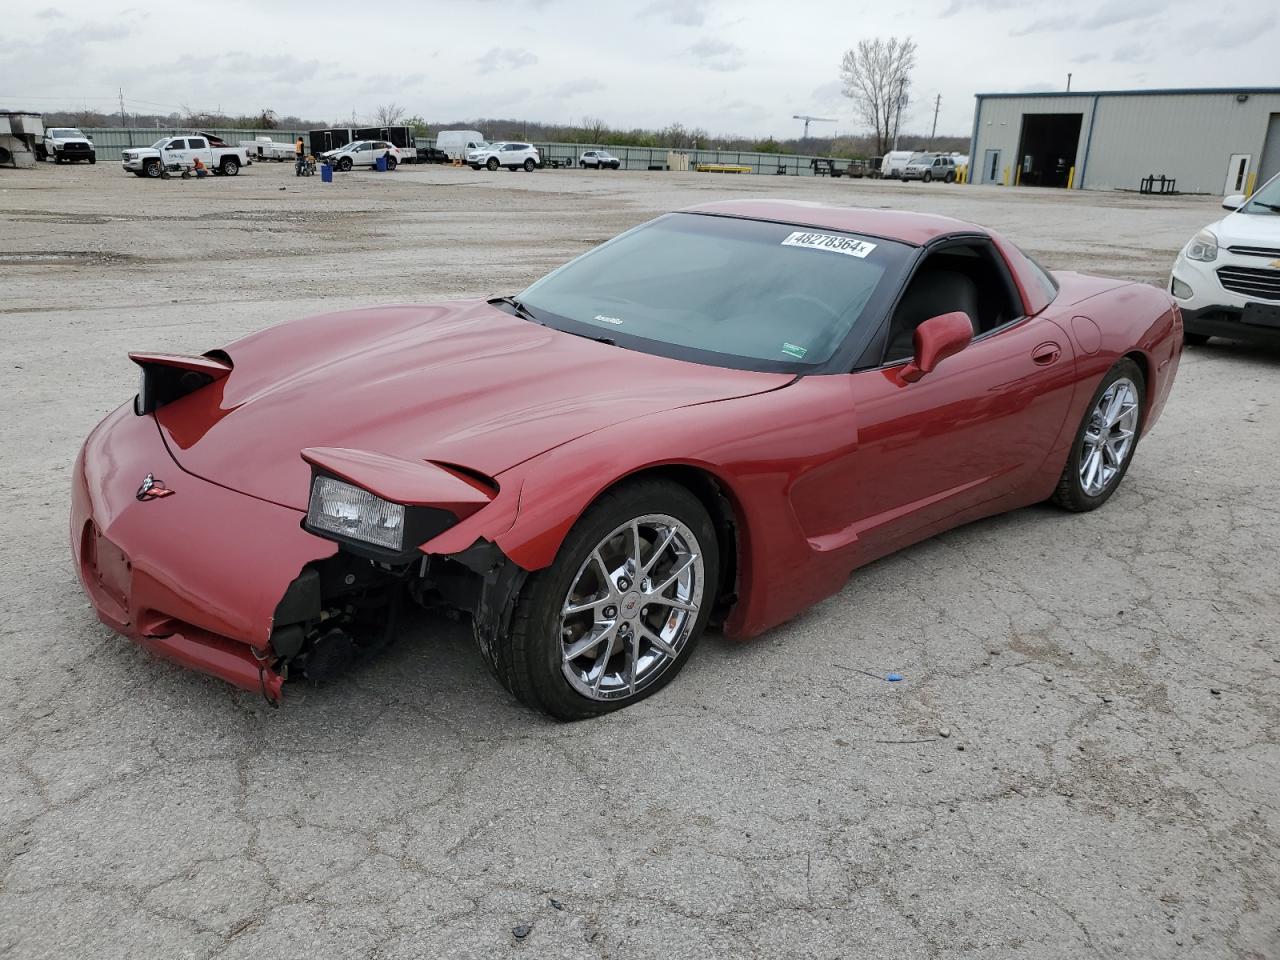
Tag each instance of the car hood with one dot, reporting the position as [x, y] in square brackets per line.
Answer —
[459, 383]
[1248, 229]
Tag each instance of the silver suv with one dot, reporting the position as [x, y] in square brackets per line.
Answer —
[512, 155]
[929, 167]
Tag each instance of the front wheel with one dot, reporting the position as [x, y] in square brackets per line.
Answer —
[493, 163]
[93, 158]
[344, 164]
[928, 176]
[152, 168]
[1105, 441]
[618, 613]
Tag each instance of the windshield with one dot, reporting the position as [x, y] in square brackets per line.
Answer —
[708, 288]
[160, 143]
[1266, 200]
[62, 133]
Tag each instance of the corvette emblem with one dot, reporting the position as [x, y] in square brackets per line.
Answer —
[152, 489]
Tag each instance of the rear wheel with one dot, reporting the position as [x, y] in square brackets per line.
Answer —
[391, 163]
[618, 613]
[1195, 339]
[951, 177]
[1105, 441]
[230, 166]
[529, 165]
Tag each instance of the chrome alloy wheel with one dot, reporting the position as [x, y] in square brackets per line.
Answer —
[1108, 440]
[632, 607]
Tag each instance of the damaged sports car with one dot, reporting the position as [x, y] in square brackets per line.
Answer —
[710, 420]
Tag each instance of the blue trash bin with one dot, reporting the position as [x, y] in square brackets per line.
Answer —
[326, 173]
[382, 164]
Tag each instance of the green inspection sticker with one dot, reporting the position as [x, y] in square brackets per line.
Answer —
[791, 350]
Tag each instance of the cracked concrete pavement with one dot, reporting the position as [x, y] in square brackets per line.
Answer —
[1107, 786]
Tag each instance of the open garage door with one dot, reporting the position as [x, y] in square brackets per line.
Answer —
[1047, 148]
[1270, 165]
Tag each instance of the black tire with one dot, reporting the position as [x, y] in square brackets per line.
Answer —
[1195, 339]
[492, 163]
[527, 660]
[583, 164]
[392, 163]
[344, 164]
[152, 168]
[93, 158]
[614, 166]
[229, 166]
[951, 177]
[928, 176]
[57, 157]
[529, 165]
[1070, 493]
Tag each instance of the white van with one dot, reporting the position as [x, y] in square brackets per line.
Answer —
[895, 161]
[458, 143]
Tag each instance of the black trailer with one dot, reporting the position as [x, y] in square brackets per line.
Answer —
[323, 141]
[401, 137]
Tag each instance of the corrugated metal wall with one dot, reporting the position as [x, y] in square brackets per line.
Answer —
[1126, 137]
[110, 141]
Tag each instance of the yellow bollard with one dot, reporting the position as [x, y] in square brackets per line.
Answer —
[1250, 183]
[1071, 178]
[1005, 181]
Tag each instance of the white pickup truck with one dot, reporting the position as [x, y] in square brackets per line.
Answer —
[182, 152]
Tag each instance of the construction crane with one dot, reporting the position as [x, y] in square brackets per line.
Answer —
[808, 119]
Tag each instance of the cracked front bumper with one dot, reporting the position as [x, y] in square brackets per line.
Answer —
[194, 576]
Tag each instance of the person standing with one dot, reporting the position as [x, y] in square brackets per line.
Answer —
[299, 154]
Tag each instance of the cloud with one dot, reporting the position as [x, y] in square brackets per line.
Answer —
[1225, 34]
[1100, 19]
[507, 57]
[1130, 53]
[683, 13]
[577, 87]
[50, 13]
[982, 6]
[1085, 57]
[718, 54]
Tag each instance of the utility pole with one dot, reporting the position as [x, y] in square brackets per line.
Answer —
[937, 103]
[1068, 83]
[124, 120]
[902, 102]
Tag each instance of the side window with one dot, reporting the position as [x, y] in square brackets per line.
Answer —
[178, 144]
[196, 145]
[969, 277]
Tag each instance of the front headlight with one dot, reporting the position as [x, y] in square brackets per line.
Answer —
[347, 511]
[1203, 247]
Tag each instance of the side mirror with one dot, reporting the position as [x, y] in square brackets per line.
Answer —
[936, 339]
[1234, 202]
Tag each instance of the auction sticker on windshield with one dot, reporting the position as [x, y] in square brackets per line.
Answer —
[826, 241]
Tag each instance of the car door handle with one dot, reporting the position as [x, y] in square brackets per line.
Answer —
[1046, 353]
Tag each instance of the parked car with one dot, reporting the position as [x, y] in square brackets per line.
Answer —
[1227, 277]
[363, 153]
[599, 159]
[512, 155]
[66, 145]
[931, 167]
[713, 418]
[147, 161]
[458, 143]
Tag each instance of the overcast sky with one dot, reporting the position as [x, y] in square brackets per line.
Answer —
[731, 67]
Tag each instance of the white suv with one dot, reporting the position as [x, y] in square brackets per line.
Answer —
[511, 155]
[1227, 278]
[600, 159]
[363, 153]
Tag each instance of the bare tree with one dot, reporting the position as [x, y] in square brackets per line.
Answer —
[876, 75]
[389, 115]
[594, 128]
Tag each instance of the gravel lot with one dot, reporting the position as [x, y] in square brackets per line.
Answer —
[1082, 761]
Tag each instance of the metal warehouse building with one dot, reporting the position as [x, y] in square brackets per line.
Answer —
[1216, 141]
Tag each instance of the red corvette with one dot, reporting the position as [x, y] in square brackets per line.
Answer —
[713, 418]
